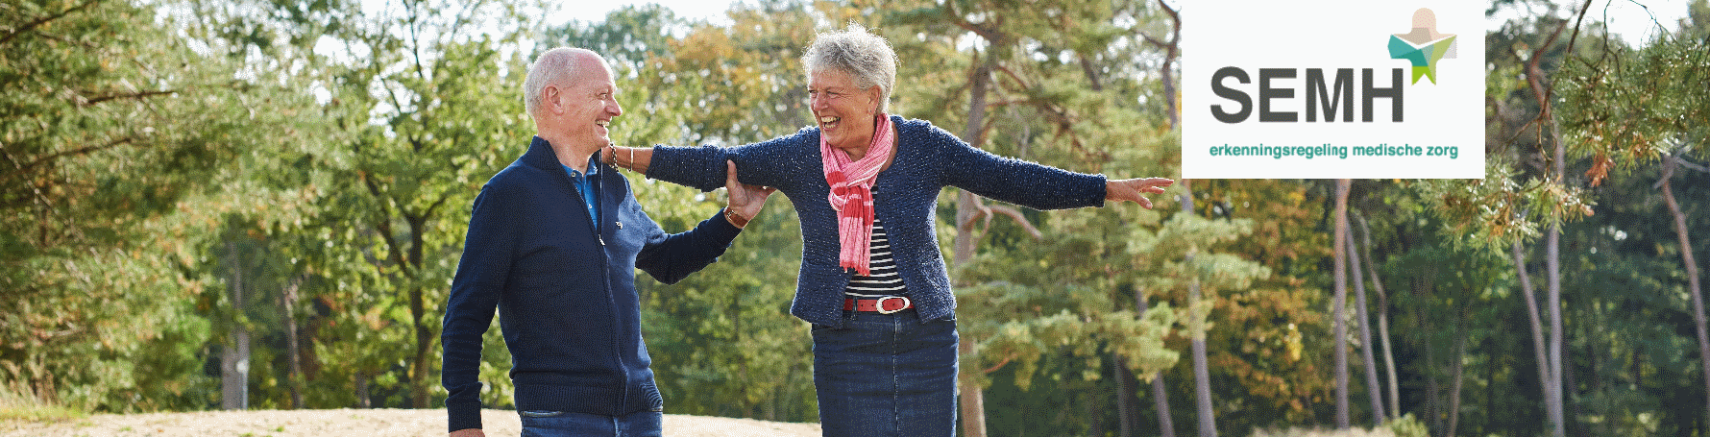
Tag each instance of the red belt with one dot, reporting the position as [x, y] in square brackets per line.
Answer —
[883, 305]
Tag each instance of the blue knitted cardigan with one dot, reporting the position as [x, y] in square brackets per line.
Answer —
[927, 160]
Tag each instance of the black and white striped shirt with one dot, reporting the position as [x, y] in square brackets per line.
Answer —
[884, 280]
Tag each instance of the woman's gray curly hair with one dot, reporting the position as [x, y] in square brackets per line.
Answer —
[854, 51]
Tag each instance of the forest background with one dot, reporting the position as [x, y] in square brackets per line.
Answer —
[260, 204]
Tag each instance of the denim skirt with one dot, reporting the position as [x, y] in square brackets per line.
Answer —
[886, 375]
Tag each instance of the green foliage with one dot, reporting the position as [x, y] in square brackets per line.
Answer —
[1407, 426]
[114, 128]
[1633, 107]
[1504, 207]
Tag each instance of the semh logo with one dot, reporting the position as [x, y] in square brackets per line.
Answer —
[1356, 99]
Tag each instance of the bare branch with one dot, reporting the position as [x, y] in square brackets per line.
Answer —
[980, 212]
[126, 96]
[1688, 164]
[26, 28]
[1019, 218]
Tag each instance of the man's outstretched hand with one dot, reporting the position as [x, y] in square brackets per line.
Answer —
[1133, 190]
[745, 200]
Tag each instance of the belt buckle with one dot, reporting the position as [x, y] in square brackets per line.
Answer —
[880, 306]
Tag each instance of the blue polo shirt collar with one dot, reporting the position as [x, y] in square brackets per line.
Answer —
[586, 184]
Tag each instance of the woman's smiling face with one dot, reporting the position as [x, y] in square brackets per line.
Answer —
[844, 112]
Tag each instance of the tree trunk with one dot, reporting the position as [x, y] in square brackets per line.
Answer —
[1458, 373]
[288, 301]
[1125, 409]
[1201, 373]
[421, 370]
[1202, 380]
[1372, 388]
[1692, 284]
[1383, 323]
[1339, 303]
[1537, 81]
[1160, 396]
[973, 408]
[1425, 288]
[1171, 49]
[234, 360]
[424, 345]
[362, 390]
[973, 400]
[1552, 260]
[1538, 342]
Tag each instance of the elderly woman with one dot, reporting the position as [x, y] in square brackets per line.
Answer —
[865, 185]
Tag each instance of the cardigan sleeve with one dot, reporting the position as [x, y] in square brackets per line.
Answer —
[764, 163]
[671, 257]
[1025, 183]
[481, 275]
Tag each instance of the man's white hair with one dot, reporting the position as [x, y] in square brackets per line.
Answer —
[559, 66]
[854, 51]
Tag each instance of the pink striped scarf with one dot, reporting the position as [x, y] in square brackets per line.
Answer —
[852, 193]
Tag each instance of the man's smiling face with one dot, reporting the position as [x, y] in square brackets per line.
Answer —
[591, 105]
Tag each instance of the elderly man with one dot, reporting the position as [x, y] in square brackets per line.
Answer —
[554, 240]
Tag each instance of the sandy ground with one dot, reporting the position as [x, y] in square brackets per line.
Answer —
[354, 423]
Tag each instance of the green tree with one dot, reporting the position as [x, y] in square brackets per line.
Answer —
[1606, 122]
[118, 125]
[431, 108]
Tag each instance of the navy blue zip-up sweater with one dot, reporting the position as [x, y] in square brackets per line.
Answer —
[927, 160]
[565, 293]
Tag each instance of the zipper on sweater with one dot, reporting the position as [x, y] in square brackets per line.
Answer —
[611, 295]
[605, 277]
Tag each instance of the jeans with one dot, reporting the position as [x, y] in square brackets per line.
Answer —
[567, 424]
[886, 375]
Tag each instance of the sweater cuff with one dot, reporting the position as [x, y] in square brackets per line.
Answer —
[720, 229]
[1103, 190]
[463, 415]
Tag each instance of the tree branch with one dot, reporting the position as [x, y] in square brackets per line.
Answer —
[384, 225]
[428, 212]
[987, 31]
[136, 95]
[26, 28]
[1015, 214]
[1688, 164]
[25, 168]
[1534, 74]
